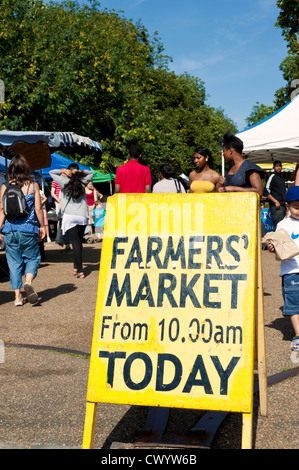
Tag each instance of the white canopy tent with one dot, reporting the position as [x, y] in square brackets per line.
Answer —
[274, 138]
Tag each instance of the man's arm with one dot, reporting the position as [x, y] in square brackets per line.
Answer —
[117, 188]
[148, 181]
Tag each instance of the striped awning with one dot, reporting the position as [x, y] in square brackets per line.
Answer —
[38, 146]
[70, 139]
[55, 140]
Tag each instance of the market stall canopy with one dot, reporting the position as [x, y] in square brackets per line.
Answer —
[57, 162]
[268, 167]
[100, 177]
[274, 138]
[60, 161]
[38, 146]
[2, 165]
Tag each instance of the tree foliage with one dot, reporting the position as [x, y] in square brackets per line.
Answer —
[91, 71]
[258, 113]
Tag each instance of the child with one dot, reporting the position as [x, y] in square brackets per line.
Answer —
[290, 268]
[99, 219]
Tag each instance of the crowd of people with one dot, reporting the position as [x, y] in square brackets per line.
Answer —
[80, 206]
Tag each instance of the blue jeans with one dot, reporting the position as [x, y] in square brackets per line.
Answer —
[290, 293]
[21, 248]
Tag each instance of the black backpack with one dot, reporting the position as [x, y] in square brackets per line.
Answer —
[14, 204]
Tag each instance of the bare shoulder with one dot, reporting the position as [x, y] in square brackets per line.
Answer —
[192, 175]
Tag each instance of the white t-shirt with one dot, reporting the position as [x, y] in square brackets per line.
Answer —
[167, 186]
[70, 221]
[291, 226]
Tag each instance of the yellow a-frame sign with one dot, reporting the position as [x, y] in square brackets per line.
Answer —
[179, 303]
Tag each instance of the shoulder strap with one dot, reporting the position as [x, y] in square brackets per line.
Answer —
[177, 185]
[13, 183]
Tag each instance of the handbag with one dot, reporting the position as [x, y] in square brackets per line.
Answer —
[59, 238]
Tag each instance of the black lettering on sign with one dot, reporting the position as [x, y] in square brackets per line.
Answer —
[198, 376]
[235, 278]
[167, 284]
[111, 356]
[119, 294]
[116, 330]
[210, 289]
[185, 251]
[178, 370]
[144, 292]
[153, 252]
[147, 375]
[214, 252]
[187, 290]
[117, 251]
[203, 381]
[193, 251]
[175, 256]
[232, 251]
[135, 255]
[164, 290]
[224, 374]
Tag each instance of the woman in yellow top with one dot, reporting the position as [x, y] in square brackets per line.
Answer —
[204, 179]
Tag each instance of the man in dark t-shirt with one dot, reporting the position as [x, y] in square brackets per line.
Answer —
[276, 193]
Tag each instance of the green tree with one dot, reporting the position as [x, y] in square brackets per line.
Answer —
[87, 70]
[288, 21]
[259, 112]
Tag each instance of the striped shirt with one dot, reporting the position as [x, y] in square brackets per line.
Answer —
[57, 188]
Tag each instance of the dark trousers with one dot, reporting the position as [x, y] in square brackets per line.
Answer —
[76, 238]
[277, 214]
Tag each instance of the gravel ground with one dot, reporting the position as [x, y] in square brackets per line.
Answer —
[45, 373]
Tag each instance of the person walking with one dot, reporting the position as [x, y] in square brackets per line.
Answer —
[21, 235]
[74, 208]
[275, 191]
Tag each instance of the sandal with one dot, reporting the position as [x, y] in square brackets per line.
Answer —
[75, 272]
[32, 296]
[80, 276]
[19, 303]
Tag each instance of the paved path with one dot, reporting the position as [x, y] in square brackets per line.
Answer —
[44, 376]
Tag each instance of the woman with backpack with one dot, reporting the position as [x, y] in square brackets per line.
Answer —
[74, 208]
[21, 230]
